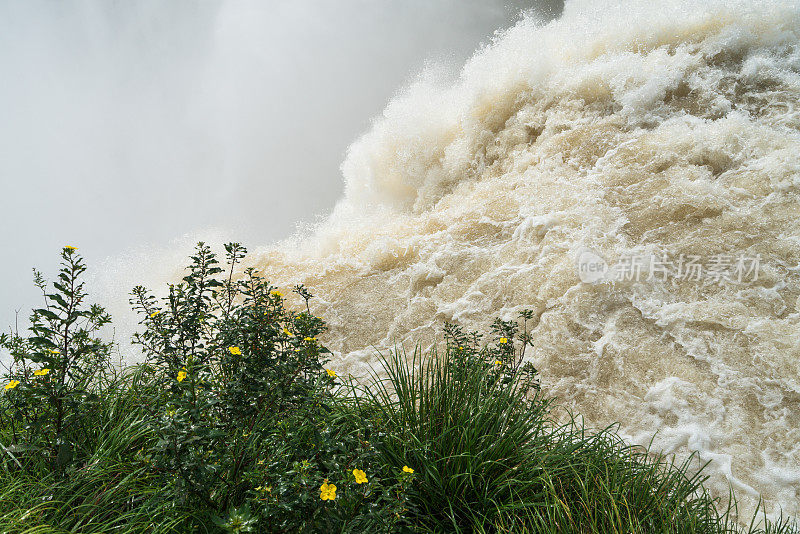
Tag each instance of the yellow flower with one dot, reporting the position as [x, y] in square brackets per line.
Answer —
[41, 372]
[277, 293]
[331, 373]
[503, 340]
[309, 339]
[12, 384]
[327, 492]
[54, 351]
[261, 462]
[285, 331]
[236, 351]
[181, 375]
[407, 469]
[70, 248]
[155, 313]
[360, 475]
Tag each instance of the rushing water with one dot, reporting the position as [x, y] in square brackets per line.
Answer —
[660, 135]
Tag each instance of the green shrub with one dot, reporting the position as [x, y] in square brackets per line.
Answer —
[55, 371]
[247, 421]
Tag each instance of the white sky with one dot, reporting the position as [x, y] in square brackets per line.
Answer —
[129, 124]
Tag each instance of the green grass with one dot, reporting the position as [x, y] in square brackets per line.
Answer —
[491, 460]
[487, 459]
[113, 491]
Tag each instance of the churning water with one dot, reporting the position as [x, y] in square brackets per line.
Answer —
[657, 141]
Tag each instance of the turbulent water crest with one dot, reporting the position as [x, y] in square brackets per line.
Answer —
[663, 128]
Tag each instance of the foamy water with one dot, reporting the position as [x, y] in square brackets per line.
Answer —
[653, 128]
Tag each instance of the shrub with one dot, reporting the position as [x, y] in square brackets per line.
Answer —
[247, 421]
[50, 389]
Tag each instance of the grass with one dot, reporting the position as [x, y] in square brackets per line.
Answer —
[493, 461]
[113, 491]
[487, 458]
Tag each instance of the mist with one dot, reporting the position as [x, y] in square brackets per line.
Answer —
[136, 127]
